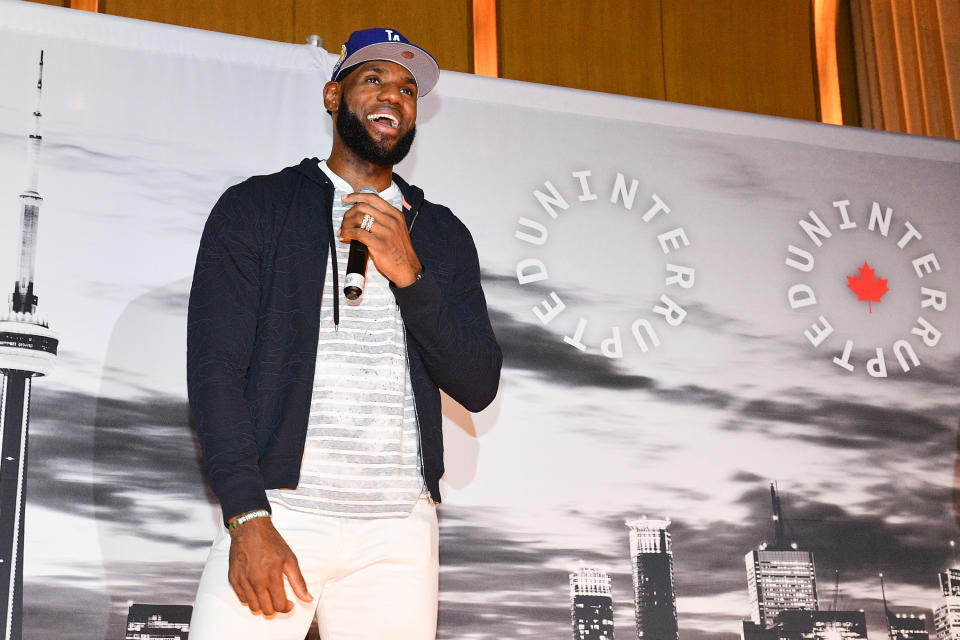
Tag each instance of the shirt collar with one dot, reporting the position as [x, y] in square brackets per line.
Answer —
[342, 185]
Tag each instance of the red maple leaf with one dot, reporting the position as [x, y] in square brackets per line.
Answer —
[868, 287]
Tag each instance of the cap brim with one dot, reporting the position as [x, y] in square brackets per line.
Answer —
[421, 64]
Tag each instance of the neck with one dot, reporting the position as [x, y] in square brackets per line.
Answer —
[356, 171]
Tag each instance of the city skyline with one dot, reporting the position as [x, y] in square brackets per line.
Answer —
[781, 565]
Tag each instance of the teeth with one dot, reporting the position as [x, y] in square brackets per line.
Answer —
[393, 120]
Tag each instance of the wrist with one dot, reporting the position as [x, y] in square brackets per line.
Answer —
[236, 522]
[415, 279]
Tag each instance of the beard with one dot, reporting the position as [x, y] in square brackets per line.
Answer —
[355, 135]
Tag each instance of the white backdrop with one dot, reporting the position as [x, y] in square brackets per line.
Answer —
[146, 124]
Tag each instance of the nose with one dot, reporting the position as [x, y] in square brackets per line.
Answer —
[390, 92]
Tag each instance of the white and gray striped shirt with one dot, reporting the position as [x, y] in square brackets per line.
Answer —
[362, 453]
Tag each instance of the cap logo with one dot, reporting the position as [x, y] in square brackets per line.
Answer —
[380, 43]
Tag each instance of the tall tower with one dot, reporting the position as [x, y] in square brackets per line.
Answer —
[780, 577]
[591, 604]
[27, 348]
[653, 592]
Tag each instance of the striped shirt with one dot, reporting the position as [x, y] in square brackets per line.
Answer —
[361, 458]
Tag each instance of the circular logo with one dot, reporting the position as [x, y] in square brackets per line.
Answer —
[865, 276]
[618, 253]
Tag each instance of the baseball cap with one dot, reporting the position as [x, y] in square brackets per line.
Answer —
[388, 44]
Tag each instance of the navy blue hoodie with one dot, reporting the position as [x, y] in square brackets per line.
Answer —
[254, 319]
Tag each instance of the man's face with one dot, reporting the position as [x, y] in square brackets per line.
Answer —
[377, 112]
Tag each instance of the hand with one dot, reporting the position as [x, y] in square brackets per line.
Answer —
[259, 558]
[388, 239]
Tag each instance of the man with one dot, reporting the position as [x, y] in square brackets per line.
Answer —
[319, 420]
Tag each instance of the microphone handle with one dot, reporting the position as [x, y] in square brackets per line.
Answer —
[356, 270]
[356, 276]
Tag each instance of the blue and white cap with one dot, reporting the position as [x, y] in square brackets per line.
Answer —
[388, 44]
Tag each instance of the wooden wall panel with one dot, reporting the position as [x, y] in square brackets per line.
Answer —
[949, 16]
[847, 66]
[269, 20]
[907, 46]
[442, 27]
[748, 55]
[908, 60]
[933, 70]
[602, 46]
[871, 111]
[888, 67]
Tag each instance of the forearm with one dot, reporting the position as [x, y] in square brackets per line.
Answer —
[454, 339]
[221, 329]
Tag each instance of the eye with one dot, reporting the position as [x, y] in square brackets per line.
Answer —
[407, 91]
[373, 79]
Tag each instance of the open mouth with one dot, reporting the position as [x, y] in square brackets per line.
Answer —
[384, 118]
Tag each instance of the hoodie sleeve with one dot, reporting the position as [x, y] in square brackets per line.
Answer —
[452, 327]
[221, 327]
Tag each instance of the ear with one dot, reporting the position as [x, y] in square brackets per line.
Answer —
[331, 96]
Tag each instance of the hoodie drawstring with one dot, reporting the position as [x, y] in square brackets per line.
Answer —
[333, 264]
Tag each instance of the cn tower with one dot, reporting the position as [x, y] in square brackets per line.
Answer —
[27, 348]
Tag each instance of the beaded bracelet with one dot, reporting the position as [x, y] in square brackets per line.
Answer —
[259, 513]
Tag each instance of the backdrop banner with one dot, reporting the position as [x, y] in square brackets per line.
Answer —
[693, 305]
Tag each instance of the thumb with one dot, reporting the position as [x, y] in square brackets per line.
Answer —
[291, 569]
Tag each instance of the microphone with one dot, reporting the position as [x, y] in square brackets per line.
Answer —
[356, 263]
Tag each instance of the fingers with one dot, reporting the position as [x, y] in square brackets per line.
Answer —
[263, 594]
[242, 588]
[259, 559]
[384, 228]
[385, 222]
[371, 199]
[369, 204]
[387, 237]
[276, 596]
[291, 569]
[269, 597]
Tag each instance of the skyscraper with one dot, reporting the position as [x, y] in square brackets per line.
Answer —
[946, 616]
[901, 626]
[158, 622]
[27, 349]
[591, 604]
[950, 582]
[779, 581]
[821, 625]
[780, 577]
[904, 626]
[653, 589]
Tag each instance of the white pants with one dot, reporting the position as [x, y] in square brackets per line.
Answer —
[371, 579]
